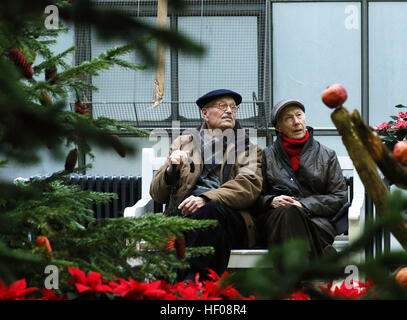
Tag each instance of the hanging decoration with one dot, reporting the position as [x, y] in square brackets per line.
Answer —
[160, 54]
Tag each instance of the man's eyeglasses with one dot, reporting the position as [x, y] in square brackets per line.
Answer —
[223, 107]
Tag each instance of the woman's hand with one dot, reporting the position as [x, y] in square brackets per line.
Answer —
[283, 200]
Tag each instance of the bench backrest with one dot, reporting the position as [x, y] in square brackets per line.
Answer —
[151, 163]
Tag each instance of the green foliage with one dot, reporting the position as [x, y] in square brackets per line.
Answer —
[63, 213]
[34, 116]
[151, 232]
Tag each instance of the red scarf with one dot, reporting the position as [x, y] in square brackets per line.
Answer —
[293, 148]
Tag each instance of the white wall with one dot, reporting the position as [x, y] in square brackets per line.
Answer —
[46, 166]
[108, 162]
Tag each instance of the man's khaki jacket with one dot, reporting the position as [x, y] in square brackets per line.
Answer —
[241, 180]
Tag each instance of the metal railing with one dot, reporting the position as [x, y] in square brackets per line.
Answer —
[251, 114]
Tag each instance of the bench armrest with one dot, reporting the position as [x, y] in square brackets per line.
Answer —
[356, 211]
[141, 207]
[354, 215]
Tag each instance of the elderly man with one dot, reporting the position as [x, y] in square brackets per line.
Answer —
[303, 185]
[223, 182]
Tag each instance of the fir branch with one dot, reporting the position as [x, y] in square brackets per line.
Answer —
[61, 210]
[53, 61]
[102, 62]
[14, 260]
[152, 228]
[127, 65]
[80, 85]
[119, 50]
[105, 241]
[114, 126]
[85, 68]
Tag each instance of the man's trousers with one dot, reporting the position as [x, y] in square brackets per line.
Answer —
[230, 233]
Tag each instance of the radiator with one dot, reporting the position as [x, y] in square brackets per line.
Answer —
[128, 189]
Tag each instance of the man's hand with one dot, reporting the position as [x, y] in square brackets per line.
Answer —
[178, 157]
[281, 201]
[191, 204]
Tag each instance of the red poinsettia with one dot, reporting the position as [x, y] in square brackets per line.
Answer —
[91, 282]
[383, 126]
[229, 292]
[395, 130]
[16, 291]
[213, 289]
[48, 294]
[188, 291]
[402, 115]
[134, 290]
[298, 295]
[352, 290]
[401, 123]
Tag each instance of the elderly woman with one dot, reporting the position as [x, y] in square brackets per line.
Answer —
[303, 185]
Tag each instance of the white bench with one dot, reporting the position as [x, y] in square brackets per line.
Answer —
[247, 258]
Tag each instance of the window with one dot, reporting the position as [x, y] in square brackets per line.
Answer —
[235, 36]
[313, 47]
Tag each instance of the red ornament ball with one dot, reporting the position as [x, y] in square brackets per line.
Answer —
[400, 152]
[401, 277]
[334, 95]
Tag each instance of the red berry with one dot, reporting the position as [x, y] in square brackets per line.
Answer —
[43, 242]
[334, 95]
[170, 244]
[81, 108]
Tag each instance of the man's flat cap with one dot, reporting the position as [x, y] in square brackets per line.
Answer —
[281, 105]
[215, 94]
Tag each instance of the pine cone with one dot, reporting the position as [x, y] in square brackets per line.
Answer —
[21, 62]
[180, 247]
[118, 146]
[81, 108]
[71, 160]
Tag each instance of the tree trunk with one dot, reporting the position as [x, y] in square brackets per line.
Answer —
[365, 151]
[390, 167]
